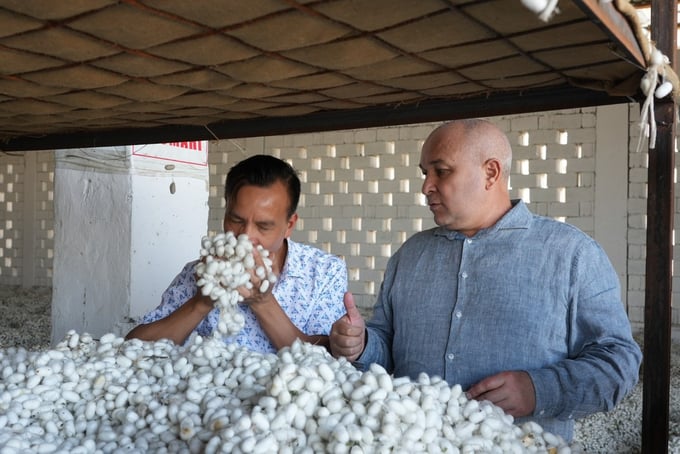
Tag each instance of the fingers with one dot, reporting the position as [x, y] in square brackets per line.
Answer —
[487, 390]
[351, 352]
[261, 280]
[485, 386]
[254, 295]
[513, 391]
[346, 340]
[343, 327]
[347, 336]
[272, 258]
[353, 315]
[352, 323]
[258, 290]
[275, 264]
[493, 389]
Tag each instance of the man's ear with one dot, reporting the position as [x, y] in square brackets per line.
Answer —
[291, 224]
[492, 170]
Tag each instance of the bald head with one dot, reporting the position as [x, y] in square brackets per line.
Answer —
[480, 138]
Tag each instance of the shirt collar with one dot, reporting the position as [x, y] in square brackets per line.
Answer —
[292, 267]
[518, 217]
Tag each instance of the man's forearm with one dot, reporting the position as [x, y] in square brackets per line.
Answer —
[277, 325]
[177, 326]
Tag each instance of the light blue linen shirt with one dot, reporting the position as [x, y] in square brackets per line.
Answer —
[529, 293]
[310, 291]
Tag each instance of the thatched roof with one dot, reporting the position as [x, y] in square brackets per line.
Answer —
[103, 72]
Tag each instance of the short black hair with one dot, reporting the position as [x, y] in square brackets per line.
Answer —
[263, 170]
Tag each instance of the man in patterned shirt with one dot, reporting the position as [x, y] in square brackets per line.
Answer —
[261, 195]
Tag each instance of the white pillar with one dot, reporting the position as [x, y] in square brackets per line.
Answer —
[126, 220]
[29, 226]
[611, 189]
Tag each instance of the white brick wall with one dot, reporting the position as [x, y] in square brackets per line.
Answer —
[26, 218]
[44, 219]
[11, 169]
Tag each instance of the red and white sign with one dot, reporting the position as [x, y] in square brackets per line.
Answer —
[195, 153]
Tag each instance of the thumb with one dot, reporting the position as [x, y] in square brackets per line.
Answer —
[353, 314]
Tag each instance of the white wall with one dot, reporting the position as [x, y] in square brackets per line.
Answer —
[91, 286]
[166, 230]
[123, 225]
[611, 197]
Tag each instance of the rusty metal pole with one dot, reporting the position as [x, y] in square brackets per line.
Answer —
[658, 279]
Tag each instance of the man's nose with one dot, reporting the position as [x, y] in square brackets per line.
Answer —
[427, 186]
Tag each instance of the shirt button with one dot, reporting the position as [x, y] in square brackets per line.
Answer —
[468, 241]
[459, 314]
[450, 356]
[464, 275]
[542, 412]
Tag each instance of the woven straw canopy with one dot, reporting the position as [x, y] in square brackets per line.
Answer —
[102, 72]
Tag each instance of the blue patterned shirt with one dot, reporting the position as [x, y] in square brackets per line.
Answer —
[310, 290]
[529, 293]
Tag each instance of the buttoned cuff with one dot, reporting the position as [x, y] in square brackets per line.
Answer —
[551, 400]
[367, 356]
[546, 392]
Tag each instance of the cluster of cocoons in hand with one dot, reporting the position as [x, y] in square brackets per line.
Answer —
[228, 262]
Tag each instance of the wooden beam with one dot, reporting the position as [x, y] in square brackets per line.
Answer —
[616, 26]
[503, 103]
[659, 272]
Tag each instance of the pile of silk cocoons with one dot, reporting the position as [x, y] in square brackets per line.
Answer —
[113, 395]
[226, 264]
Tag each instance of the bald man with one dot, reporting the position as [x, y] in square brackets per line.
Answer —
[520, 310]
